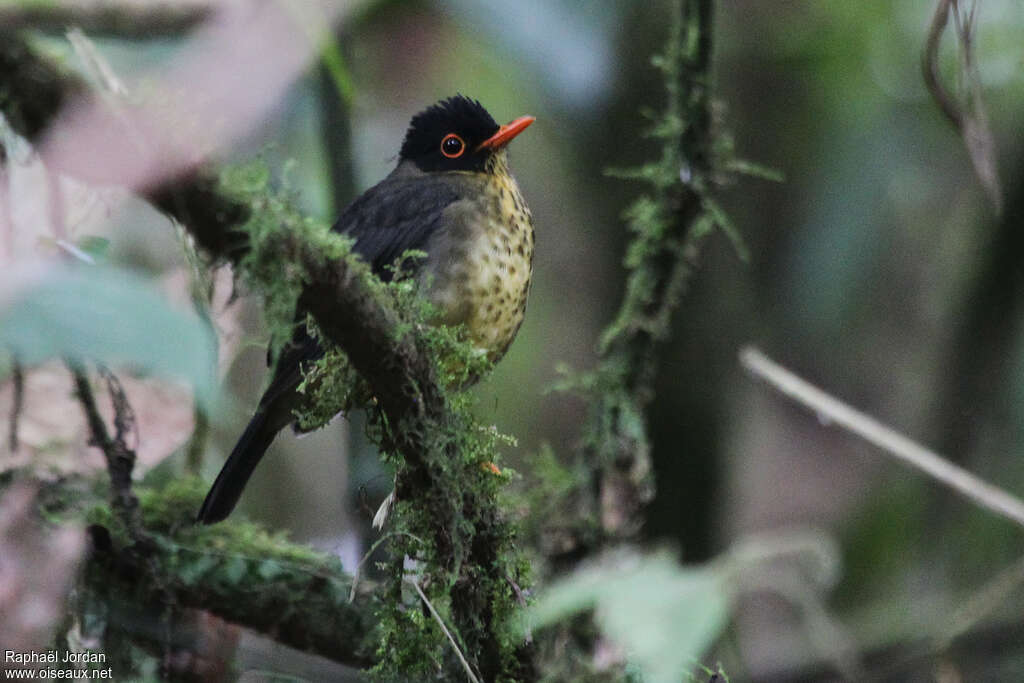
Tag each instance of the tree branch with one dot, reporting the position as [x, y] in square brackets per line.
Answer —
[17, 402]
[120, 18]
[930, 66]
[620, 389]
[120, 459]
[990, 497]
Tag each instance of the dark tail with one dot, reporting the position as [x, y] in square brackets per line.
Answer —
[273, 415]
[233, 477]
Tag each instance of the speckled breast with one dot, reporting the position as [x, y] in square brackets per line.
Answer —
[484, 280]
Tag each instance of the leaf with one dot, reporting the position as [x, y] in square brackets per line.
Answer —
[235, 570]
[269, 569]
[94, 245]
[111, 316]
[663, 615]
[726, 225]
[755, 170]
[191, 573]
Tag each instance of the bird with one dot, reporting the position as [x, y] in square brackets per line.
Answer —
[452, 196]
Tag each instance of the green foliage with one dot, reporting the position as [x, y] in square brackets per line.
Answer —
[664, 616]
[112, 316]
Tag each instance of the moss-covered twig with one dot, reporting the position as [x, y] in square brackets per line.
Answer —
[238, 571]
[447, 517]
[668, 222]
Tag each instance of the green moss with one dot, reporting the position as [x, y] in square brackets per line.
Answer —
[449, 523]
[237, 570]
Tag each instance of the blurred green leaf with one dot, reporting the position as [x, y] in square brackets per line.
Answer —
[663, 615]
[268, 569]
[192, 572]
[112, 316]
[755, 170]
[726, 225]
[235, 570]
[94, 245]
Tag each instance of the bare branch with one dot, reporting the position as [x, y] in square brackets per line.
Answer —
[967, 112]
[986, 495]
[120, 459]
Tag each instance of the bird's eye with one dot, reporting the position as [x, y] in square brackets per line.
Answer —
[452, 146]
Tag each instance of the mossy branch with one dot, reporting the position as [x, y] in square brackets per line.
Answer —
[298, 596]
[669, 221]
[447, 518]
[120, 19]
[466, 556]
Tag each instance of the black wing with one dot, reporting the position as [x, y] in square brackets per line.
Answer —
[392, 217]
[399, 214]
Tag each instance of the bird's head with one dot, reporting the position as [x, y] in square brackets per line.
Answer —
[457, 134]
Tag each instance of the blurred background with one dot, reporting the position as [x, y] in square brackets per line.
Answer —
[879, 270]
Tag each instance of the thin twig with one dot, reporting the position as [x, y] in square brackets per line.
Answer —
[120, 459]
[17, 401]
[986, 495]
[110, 18]
[373, 548]
[196, 442]
[984, 602]
[437, 618]
[6, 208]
[124, 414]
[521, 599]
[930, 66]
[966, 112]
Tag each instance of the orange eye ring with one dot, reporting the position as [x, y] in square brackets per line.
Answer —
[452, 146]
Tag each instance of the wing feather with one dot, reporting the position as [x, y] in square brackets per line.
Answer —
[396, 215]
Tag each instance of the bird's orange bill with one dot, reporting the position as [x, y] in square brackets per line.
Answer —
[507, 132]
